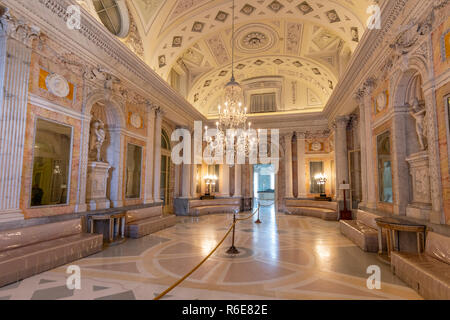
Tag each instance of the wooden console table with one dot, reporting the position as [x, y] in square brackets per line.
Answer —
[393, 226]
[116, 224]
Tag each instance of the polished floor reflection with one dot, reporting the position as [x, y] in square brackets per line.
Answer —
[285, 257]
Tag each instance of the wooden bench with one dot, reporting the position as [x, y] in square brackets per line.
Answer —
[428, 273]
[145, 221]
[320, 209]
[363, 231]
[203, 207]
[28, 251]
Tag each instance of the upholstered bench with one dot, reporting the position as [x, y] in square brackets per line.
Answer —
[363, 231]
[203, 207]
[28, 251]
[320, 209]
[142, 222]
[427, 273]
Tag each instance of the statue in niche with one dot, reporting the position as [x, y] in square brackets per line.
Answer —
[419, 113]
[387, 182]
[98, 136]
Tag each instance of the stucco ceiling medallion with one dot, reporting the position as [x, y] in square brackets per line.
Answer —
[57, 85]
[254, 38]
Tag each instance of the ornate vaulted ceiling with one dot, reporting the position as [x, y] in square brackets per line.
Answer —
[297, 48]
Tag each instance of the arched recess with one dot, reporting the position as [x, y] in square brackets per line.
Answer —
[110, 111]
[406, 87]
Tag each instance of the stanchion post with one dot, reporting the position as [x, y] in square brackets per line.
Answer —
[259, 208]
[233, 249]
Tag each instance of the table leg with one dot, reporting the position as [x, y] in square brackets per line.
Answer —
[116, 226]
[419, 243]
[380, 240]
[123, 227]
[389, 239]
[111, 230]
[91, 225]
[394, 241]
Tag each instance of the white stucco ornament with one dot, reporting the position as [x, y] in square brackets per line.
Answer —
[381, 101]
[57, 85]
[136, 120]
[316, 146]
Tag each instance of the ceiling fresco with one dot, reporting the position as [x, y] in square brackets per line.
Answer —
[305, 43]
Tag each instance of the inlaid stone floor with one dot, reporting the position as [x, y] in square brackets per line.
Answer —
[286, 257]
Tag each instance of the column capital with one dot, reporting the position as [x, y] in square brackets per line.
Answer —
[17, 29]
[301, 135]
[288, 137]
[342, 121]
[160, 112]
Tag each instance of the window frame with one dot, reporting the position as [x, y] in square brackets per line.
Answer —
[124, 18]
[69, 173]
[141, 170]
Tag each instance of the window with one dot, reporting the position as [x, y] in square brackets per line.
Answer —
[134, 167]
[51, 163]
[114, 16]
[384, 168]
[265, 102]
[315, 168]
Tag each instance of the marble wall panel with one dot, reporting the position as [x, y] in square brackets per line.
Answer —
[441, 47]
[443, 124]
[32, 114]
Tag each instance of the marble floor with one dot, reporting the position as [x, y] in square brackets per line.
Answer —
[285, 257]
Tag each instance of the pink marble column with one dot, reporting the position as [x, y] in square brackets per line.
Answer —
[15, 56]
[148, 190]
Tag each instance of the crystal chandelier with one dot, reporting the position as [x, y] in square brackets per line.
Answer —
[233, 116]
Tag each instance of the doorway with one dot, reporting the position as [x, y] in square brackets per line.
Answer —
[264, 182]
[165, 171]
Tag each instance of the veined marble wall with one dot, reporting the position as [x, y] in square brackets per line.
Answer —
[130, 115]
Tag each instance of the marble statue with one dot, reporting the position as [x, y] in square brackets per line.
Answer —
[98, 136]
[387, 182]
[418, 113]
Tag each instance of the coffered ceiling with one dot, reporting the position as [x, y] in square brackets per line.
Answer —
[298, 46]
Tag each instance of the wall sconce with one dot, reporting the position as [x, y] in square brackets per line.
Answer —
[321, 180]
[210, 180]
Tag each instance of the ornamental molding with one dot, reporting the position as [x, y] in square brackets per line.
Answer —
[17, 29]
[98, 47]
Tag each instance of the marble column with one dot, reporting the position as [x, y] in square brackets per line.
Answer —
[363, 146]
[15, 57]
[301, 179]
[251, 178]
[288, 165]
[341, 154]
[372, 193]
[437, 213]
[81, 205]
[148, 190]
[237, 181]
[400, 171]
[157, 159]
[224, 183]
[193, 172]
[186, 186]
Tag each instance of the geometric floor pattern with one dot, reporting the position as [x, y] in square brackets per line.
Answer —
[285, 257]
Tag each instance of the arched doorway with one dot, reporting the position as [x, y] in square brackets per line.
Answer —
[166, 166]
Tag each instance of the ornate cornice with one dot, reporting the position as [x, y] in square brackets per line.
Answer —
[17, 29]
[97, 47]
